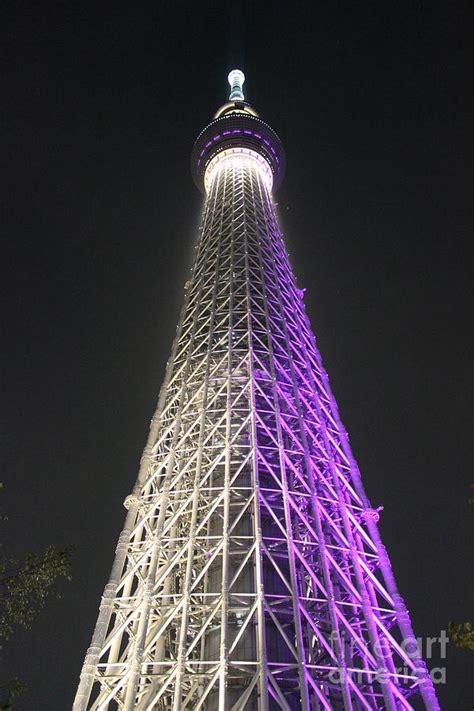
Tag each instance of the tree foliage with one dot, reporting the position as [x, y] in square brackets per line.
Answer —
[462, 634]
[13, 689]
[25, 586]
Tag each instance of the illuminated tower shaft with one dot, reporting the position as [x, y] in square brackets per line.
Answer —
[249, 574]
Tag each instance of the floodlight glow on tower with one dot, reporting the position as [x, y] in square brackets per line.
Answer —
[250, 574]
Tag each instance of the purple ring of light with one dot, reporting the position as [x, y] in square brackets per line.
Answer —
[238, 130]
[254, 137]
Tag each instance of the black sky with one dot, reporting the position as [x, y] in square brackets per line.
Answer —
[100, 108]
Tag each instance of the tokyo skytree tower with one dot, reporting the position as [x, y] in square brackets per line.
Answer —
[249, 574]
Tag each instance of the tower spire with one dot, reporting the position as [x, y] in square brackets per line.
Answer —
[236, 80]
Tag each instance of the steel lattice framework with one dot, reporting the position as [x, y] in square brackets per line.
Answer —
[250, 573]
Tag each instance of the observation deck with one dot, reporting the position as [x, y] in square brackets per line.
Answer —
[237, 126]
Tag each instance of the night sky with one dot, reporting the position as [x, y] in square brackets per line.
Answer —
[100, 109]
